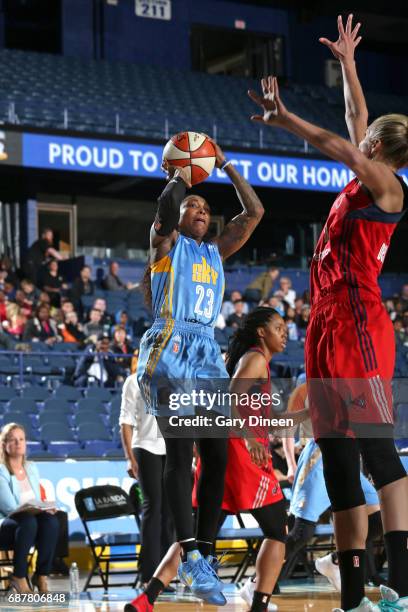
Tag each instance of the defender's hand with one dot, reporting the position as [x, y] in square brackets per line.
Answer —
[274, 111]
[343, 48]
[258, 452]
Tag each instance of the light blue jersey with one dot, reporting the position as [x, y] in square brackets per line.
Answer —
[309, 494]
[179, 350]
[188, 283]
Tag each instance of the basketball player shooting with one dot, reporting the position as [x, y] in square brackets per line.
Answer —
[350, 336]
[187, 286]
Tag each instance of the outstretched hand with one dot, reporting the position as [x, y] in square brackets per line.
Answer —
[343, 48]
[274, 111]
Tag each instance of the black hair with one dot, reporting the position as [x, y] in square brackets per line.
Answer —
[246, 336]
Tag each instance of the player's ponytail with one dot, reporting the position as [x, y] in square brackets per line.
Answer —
[247, 336]
[392, 131]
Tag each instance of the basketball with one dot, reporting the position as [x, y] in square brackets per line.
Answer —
[193, 151]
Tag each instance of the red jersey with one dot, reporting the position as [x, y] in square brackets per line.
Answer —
[352, 246]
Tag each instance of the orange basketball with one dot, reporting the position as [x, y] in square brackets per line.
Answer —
[193, 151]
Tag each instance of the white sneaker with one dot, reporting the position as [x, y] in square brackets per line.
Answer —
[365, 606]
[390, 600]
[247, 594]
[326, 567]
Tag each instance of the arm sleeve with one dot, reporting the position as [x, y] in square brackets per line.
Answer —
[7, 500]
[168, 211]
[128, 406]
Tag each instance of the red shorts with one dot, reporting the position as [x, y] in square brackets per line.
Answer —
[350, 358]
[247, 486]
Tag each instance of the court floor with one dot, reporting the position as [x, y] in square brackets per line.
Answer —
[315, 596]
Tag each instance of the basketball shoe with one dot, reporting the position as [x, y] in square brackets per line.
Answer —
[140, 604]
[365, 606]
[247, 594]
[198, 575]
[326, 567]
[390, 601]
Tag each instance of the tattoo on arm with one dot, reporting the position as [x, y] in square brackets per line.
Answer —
[240, 228]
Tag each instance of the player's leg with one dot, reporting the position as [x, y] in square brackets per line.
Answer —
[210, 490]
[272, 520]
[390, 479]
[341, 465]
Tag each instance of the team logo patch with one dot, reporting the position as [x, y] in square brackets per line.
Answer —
[176, 343]
[356, 561]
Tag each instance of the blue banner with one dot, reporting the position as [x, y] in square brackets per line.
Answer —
[134, 159]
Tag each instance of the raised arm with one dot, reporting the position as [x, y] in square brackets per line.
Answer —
[343, 50]
[163, 233]
[236, 233]
[376, 176]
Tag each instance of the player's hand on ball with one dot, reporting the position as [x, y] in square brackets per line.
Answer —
[343, 48]
[175, 171]
[274, 111]
[219, 155]
[258, 452]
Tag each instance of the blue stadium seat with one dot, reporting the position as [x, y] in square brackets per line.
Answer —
[58, 437]
[72, 394]
[100, 393]
[7, 393]
[90, 416]
[38, 394]
[57, 406]
[92, 404]
[21, 404]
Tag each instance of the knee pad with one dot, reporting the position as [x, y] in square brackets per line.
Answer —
[382, 461]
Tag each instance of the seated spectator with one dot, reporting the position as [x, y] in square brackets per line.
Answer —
[30, 292]
[20, 484]
[288, 294]
[227, 308]
[121, 346]
[41, 327]
[262, 285]
[38, 253]
[276, 302]
[298, 306]
[291, 325]
[6, 270]
[3, 307]
[237, 317]
[220, 322]
[303, 320]
[404, 296]
[390, 308]
[71, 329]
[26, 306]
[66, 307]
[10, 290]
[53, 283]
[16, 321]
[400, 331]
[82, 286]
[97, 364]
[107, 319]
[112, 282]
[93, 329]
[122, 319]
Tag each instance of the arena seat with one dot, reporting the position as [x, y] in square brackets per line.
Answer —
[72, 394]
[58, 437]
[35, 392]
[21, 404]
[100, 393]
[7, 393]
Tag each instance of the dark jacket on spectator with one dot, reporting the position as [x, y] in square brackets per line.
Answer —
[112, 369]
[35, 330]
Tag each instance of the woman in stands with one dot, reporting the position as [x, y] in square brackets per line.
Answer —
[350, 338]
[20, 531]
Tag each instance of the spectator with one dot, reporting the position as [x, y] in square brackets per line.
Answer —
[16, 321]
[291, 325]
[25, 305]
[261, 287]
[400, 331]
[3, 307]
[276, 302]
[42, 327]
[7, 342]
[30, 292]
[20, 484]
[82, 286]
[38, 253]
[97, 364]
[112, 282]
[71, 329]
[220, 322]
[67, 307]
[288, 294]
[122, 319]
[236, 318]
[6, 270]
[390, 307]
[10, 290]
[303, 320]
[53, 283]
[228, 306]
[404, 296]
[121, 346]
[93, 330]
[107, 320]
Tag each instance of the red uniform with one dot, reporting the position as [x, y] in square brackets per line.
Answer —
[350, 338]
[247, 486]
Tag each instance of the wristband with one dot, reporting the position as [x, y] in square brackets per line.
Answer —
[225, 164]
